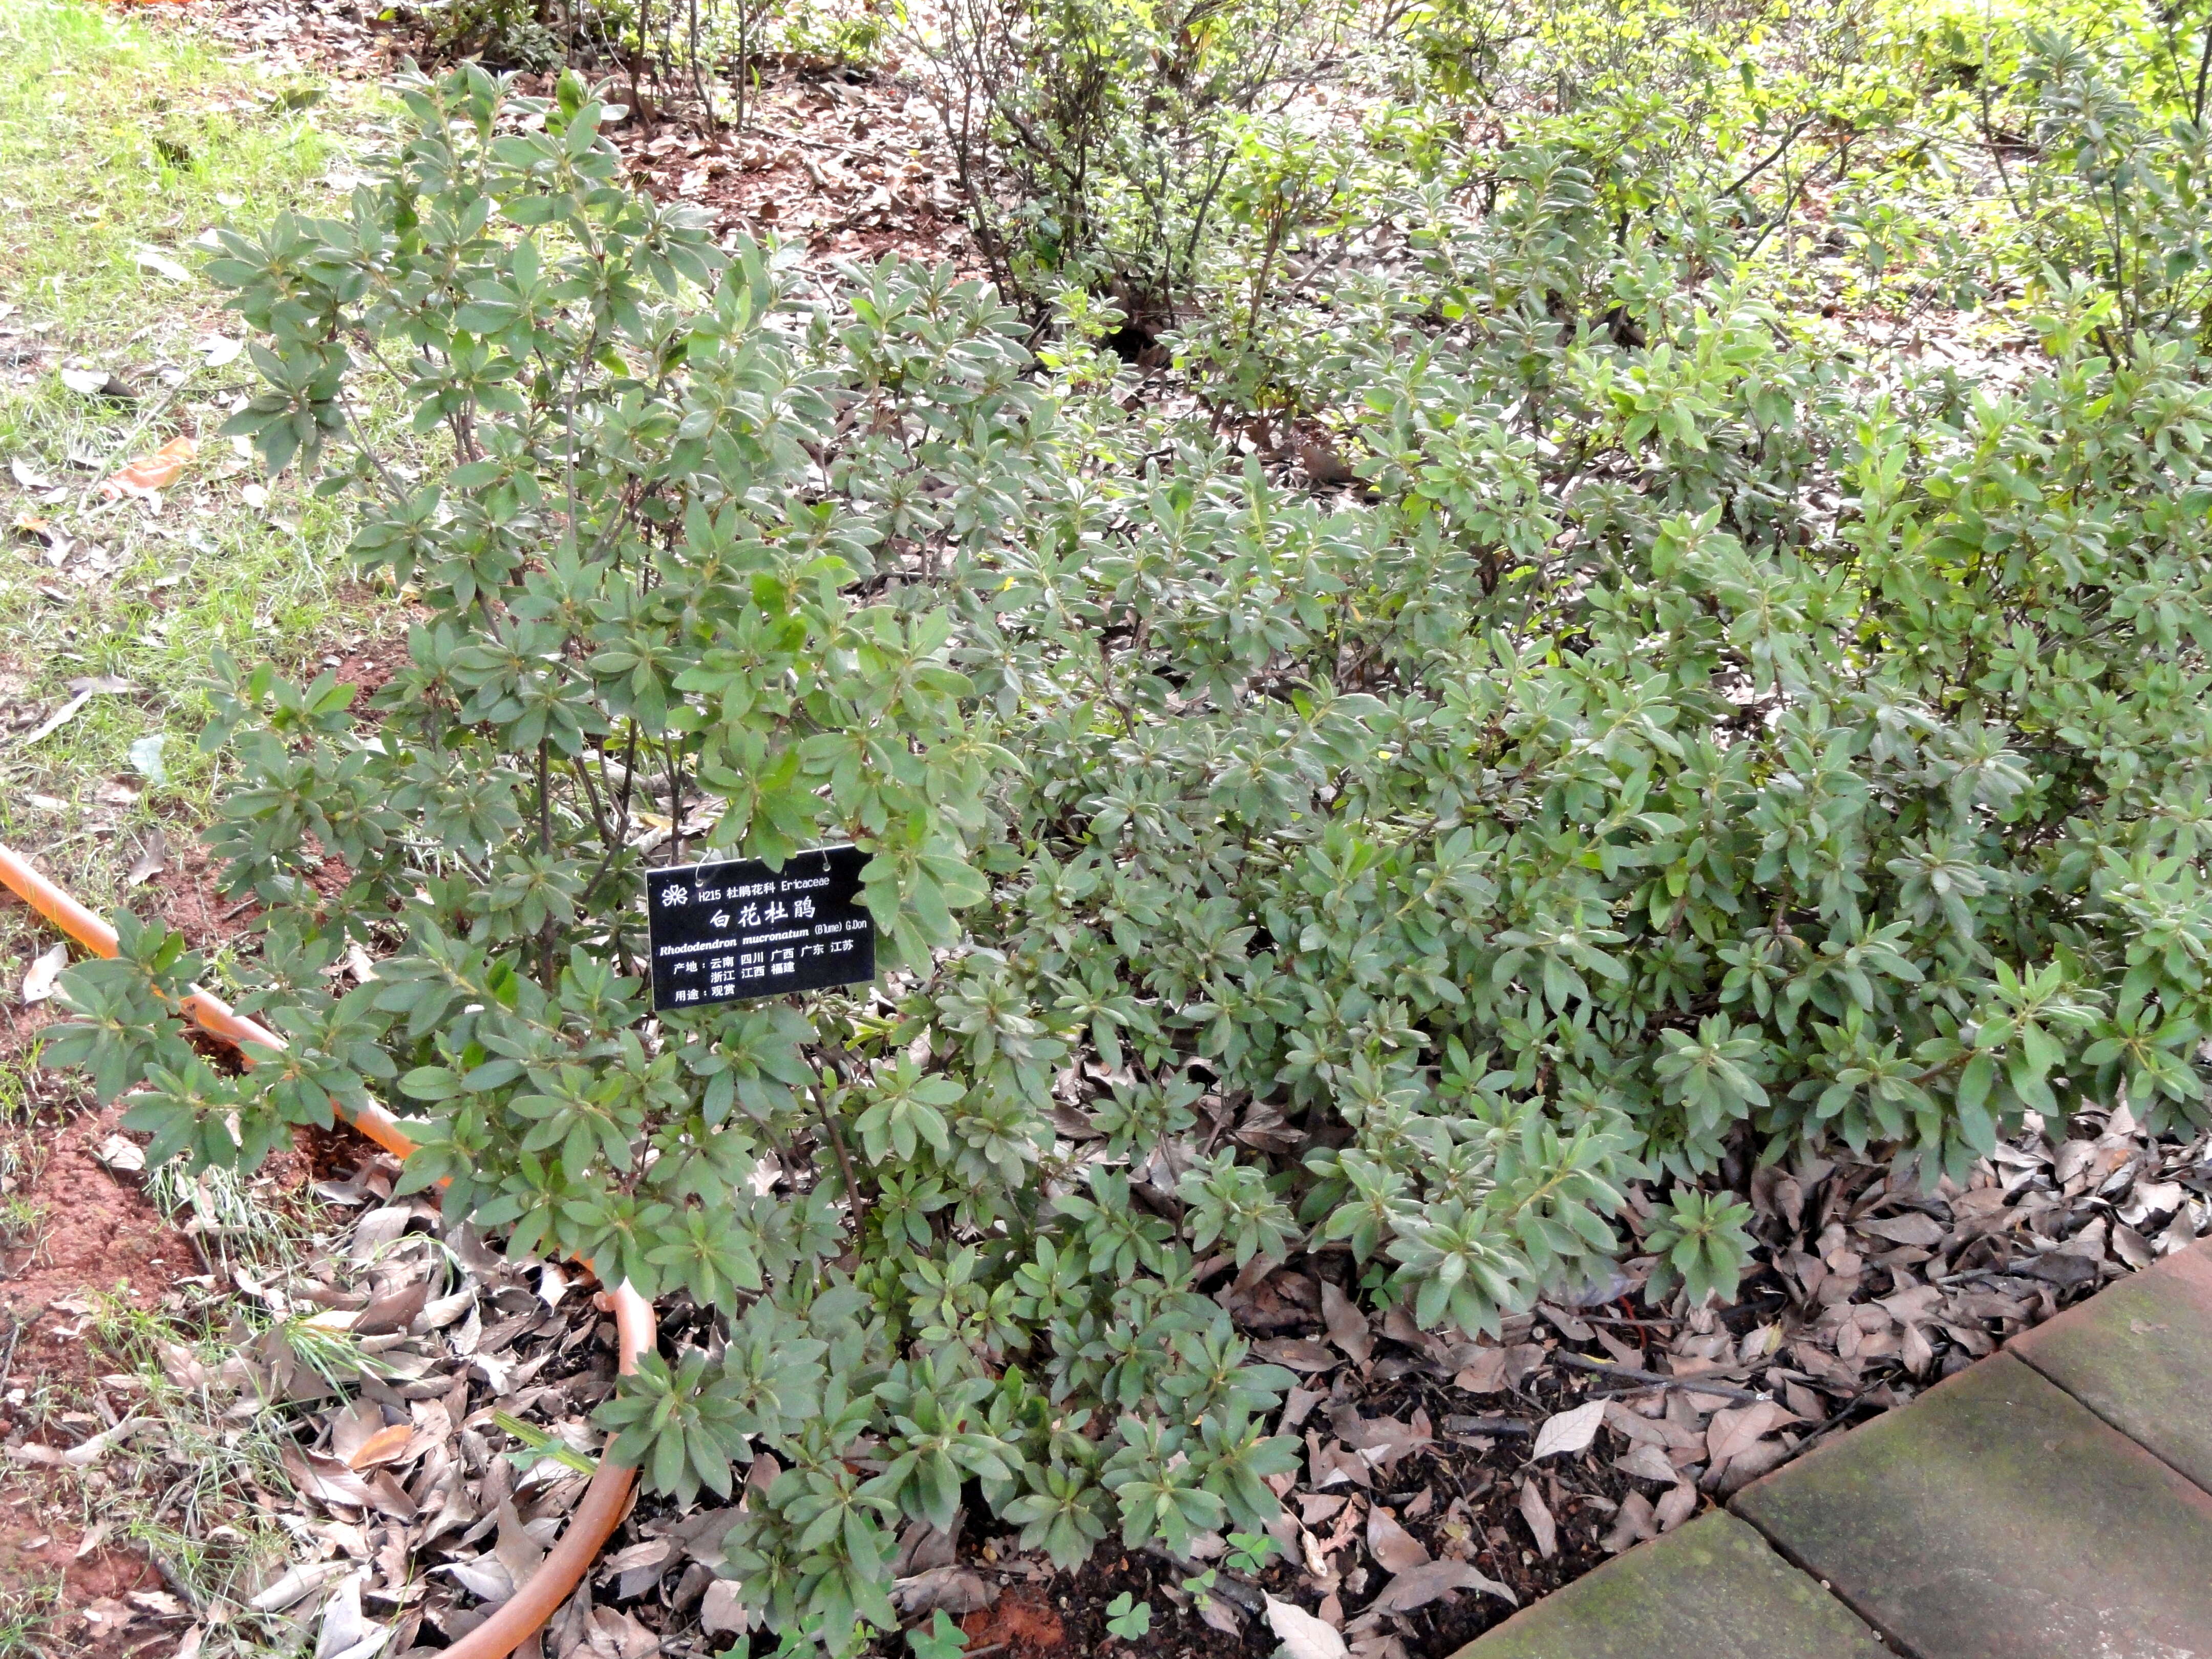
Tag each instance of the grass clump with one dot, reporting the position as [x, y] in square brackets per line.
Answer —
[121, 142]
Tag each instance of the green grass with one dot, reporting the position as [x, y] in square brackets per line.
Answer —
[193, 1485]
[238, 1228]
[123, 134]
[118, 136]
[26, 1617]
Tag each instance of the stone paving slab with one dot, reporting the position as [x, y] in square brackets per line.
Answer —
[1998, 1518]
[2139, 1354]
[1711, 1590]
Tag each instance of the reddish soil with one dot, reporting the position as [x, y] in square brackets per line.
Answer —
[371, 670]
[187, 895]
[1021, 1621]
[368, 662]
[94, 1231]
[843, 161]
[97, 1233]
[33, 1554]
[1066, 1618]
[19, 1026]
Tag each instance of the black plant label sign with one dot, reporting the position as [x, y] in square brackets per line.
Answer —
[719, 931]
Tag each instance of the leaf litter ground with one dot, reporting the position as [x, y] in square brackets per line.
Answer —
[431, 1403]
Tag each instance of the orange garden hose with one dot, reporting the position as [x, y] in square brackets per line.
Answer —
[606, 1500]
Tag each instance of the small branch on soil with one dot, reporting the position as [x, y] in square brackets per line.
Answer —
[1654, 1379]
[175, 1580]
[1506, 1426]
[1230, 1586]
[1628, 1324]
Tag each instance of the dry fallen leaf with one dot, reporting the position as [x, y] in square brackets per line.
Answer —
[88, 1452]
[1303, 1636]
[1484, 1373]
[1220, 1613]
[384, 1446]
[1382, 1441]
[1300, 1353]
[517, 1551]
[182, 1367]
[1395, 1549]
[1646, 1463]
[378, 1228]
[1570, 1431]
[162, 265]
[296, 1584]
[1347, 1326]
[44, 973]
[482, 1577]
[82, 692]
[392, 1311]
[1538, 1515]
[1569, 1325]
[959, 1590]
[1632, 1525]
[2131, 1247]
[151, 862]
[326, 1479]
[1675, 1506]
[1424, 1585]
[721, 1613]
[151, 473]
[1735, 1432]
[1912, 1228]
[617, 1635]
[345, 1633]
[1315, 1507]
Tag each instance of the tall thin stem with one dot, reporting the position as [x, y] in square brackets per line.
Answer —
[545, 976]
[2203, 68]
[698, 79]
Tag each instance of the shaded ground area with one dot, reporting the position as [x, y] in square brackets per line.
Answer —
[1417, 1511]
[845, 162]
[2047, 1502]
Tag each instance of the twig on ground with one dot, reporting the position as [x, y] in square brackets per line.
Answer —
[14, 1333]
[1491, 1426]
[1230, 1586]
[1653, 1380]
[175, 1580]
[107, 465]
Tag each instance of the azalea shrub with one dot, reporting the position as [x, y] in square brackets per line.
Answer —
[1615, 739]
